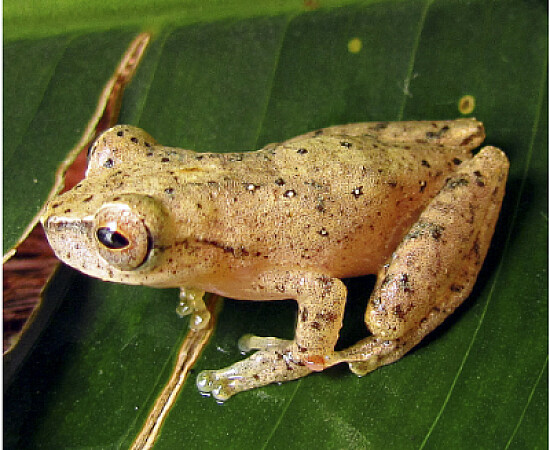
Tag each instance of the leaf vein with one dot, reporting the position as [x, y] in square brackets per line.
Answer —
[283, 412]
[527, 403]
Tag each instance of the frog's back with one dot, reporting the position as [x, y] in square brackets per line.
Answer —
[330, 201]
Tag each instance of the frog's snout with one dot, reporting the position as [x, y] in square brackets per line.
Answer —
[69, 238]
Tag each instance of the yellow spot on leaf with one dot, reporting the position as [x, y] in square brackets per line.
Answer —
[354, 45]
[466, 104]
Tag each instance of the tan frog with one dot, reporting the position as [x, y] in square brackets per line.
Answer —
[404, 200]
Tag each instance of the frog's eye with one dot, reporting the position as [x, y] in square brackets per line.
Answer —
[122, 238]
[112, 239]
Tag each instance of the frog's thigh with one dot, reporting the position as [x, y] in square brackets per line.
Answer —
[436, 265]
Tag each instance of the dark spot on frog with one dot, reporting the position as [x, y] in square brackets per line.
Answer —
[437, 134]
[456, 288]
[290, 193]
[134, 140]
[316, 325]
[346, 144]
[280, 182]
[422, 228]
[320, 205]
[422, 186]
[165, 159]
[476, 248]
[304, 314]
[108, 163]
[169, 190]
[318, 133]
[478, 175]
[357, 192]
[326, 316]
[454, 183]
[68, 210]
[323, 232]
[398, 312]
[392, 183]
[467, 140]
[120, 133]
[457, 161]
[147, 144]
[87, 199]
[425, 163]
[404, 283]
[199, 157]
[301, 151]
[149, 153]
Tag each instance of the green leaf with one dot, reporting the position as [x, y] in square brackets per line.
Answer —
[479, 381]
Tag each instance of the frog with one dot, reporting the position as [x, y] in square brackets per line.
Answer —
[410, 202]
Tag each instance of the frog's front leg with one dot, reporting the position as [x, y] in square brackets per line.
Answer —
[436, 265]
[321, 300]
[192, 303]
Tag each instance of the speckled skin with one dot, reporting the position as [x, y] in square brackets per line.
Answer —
[404, 200]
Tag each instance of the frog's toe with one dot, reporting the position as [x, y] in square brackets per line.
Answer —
[359, 368]
[205, 381]
[250, 342]
[210, 383]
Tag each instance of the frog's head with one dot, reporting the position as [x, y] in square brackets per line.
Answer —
[119, 239]
[114, 225]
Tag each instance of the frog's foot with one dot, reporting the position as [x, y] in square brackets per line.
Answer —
[262, 368]
[316, 363]
[371, 353]
[192, 303]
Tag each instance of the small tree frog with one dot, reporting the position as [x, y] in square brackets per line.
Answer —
[404, 200]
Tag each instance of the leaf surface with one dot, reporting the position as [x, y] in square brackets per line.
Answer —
[235, 84]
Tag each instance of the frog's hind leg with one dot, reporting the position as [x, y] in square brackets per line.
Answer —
[250, 342]
[261, 368]
[435, 267]
[458, 136]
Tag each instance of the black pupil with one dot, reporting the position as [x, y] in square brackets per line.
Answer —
[111, 239]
